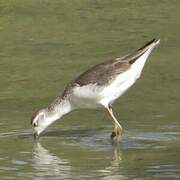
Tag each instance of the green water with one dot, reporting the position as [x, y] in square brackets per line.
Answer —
[44, 44]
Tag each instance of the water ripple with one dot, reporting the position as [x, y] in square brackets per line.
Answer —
[98, 139]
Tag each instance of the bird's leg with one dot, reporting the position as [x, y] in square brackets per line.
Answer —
[117, 128]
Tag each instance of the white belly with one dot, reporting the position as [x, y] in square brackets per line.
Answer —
[92, 95]
[88, 96]
[124, 81]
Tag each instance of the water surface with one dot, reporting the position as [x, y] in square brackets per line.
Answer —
[45, 44]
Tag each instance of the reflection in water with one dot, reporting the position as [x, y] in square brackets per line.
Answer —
[113, 170]
[49, 165]
[117, 157]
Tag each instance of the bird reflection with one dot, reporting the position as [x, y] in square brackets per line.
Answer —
[48, 164]
[113, 170]
[116, 160]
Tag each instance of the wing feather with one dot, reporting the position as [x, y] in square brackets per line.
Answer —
[104, 73]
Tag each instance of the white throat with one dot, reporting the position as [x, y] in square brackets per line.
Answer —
[52, 113]
[57, 109]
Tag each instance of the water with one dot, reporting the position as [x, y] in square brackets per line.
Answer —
[45, 44]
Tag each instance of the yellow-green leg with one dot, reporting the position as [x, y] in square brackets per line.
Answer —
[117, 128]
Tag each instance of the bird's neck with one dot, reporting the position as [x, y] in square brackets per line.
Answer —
[57, 109]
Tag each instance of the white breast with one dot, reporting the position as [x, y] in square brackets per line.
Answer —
[88, 96]
[92, 95]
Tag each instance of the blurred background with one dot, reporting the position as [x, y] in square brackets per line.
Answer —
[44, 44]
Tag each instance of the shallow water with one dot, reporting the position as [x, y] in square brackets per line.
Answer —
[43, 45]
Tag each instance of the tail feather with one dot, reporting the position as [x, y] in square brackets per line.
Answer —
[150, 45]
[153, 41]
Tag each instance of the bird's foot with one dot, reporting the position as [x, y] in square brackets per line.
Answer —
[116, 134]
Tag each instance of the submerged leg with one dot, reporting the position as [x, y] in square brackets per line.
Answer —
[117, 128]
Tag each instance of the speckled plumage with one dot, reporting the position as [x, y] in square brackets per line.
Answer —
[99, 86]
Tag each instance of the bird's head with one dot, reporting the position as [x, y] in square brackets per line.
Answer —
[39, 122]
[45, 117]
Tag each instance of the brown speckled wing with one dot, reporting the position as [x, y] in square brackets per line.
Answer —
[104, 73]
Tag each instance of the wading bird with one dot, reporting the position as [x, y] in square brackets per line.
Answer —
[97, 87]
